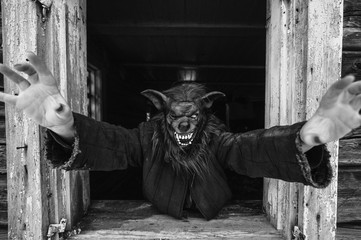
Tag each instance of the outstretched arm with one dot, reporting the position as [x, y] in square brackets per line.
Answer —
[337, 115]
[90, 144]
[275, 153]
[39, 97]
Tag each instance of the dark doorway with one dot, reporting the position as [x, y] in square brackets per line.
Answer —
[143, 44]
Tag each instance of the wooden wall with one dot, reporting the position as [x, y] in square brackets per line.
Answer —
[3, 187]
[349, 178]
[304, 51]
[37, 194]
[349, 194]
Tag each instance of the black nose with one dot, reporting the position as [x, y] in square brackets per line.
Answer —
[183, 126]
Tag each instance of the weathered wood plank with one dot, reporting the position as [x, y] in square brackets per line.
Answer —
[66, 42]
[318, 206]
[39, 195]
[277, 194]
[349, 194]
[304, 41]
[78, 188]
[351, 63]
[3, 191]
[3, 219]
[351, 38]
[28, 209]
[351, 8]
[2, 158]
[3, 233]
[348, 231]
[353, 21]
[3, 201]
[355, 133]
[2, 110]
[139, 220]
[2, 132]
[347, 234]
[349, 152]
[352, 25]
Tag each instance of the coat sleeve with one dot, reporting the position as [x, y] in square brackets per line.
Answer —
[275, 153]
[97, 146]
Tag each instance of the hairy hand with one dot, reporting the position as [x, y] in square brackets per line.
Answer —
[39, 96]
[337, 115]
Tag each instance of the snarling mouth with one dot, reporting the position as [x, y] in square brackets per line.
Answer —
[184, 139]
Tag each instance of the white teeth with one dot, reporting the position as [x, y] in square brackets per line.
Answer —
[180, 137]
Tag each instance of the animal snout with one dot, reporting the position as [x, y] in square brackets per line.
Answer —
[183, 126]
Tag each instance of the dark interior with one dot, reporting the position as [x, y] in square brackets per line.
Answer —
[143, 44]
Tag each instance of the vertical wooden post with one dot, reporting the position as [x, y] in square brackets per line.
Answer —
[65, 41]
[38, 195]
[304, 40]
[27, 208]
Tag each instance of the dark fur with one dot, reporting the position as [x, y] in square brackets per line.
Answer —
[186, 92]
[195, 158]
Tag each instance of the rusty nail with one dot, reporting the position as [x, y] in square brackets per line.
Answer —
[23, 147]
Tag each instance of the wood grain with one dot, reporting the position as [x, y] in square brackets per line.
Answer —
[3, 233]
[351, 63]
[349, 194]
[39, 195]
[349, 176]
[349, 152]
[65, 39]
[304, 42]
[3, 202]
[139, 220]
[27, 213]
[351, 37]
[351, 8]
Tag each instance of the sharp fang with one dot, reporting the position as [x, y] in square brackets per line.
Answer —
[180, 137]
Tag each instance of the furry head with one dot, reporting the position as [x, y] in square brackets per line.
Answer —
[185, 125]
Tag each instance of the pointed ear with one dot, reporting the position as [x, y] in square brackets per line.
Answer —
[157, 98]
[210, 97]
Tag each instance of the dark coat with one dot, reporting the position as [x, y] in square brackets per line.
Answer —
[272, 153]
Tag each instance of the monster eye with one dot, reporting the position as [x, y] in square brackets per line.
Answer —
[194, 116]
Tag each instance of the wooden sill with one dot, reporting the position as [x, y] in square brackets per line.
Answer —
[139, 220]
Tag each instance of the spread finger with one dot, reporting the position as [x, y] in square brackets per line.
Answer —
[38, 64]
[8, 98]
[356, 103]
[28, 70]
[355, 88]
[343, 83]
[15, 77]
[25, 68]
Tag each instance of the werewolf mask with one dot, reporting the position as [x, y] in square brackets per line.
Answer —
[185, 125]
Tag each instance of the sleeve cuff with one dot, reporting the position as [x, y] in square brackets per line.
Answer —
[315, 165]
[58, 153]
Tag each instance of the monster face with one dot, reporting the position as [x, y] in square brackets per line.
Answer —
[182, 120]
[184, 108]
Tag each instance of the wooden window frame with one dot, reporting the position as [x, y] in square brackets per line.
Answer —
[94, 85]
[303, 59]
[304, 48]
